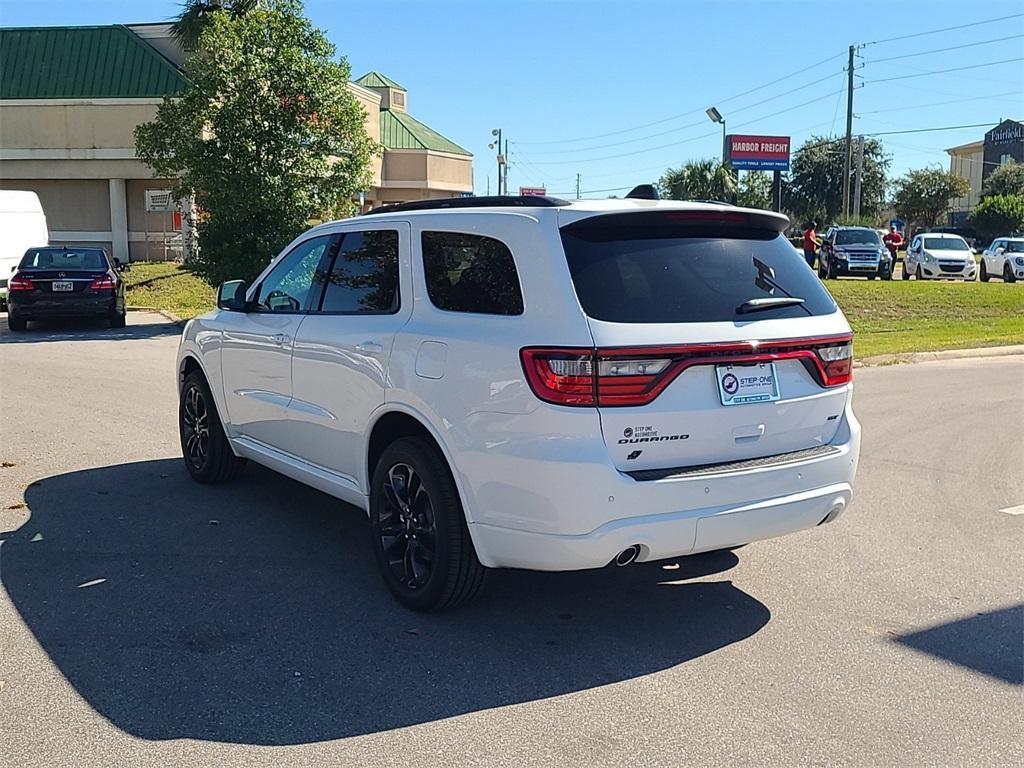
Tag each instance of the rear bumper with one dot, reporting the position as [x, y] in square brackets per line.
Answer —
[66, 306]
[578, 512]
[662, 536]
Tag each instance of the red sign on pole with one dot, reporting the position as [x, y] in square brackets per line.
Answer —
[758, 153]
[534, 191]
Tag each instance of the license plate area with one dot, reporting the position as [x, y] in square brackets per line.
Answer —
[62, 286]
[739, 384]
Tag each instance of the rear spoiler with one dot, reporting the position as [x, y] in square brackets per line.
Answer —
[668, 221]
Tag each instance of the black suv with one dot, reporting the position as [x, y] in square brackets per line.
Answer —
[854, 251]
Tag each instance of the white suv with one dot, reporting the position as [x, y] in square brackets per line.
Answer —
[529, 383]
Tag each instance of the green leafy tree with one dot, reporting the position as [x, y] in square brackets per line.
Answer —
[195, 16]
[923, 196]
[814, 188]
[698, 180]
[266, 138]
[998, 215]
[1005, 180]
[755, 190]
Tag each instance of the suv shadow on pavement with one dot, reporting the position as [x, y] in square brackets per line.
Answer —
[84, 329]
[253, 613]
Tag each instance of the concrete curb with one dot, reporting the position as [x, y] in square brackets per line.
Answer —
[172, 317]
[946, 354]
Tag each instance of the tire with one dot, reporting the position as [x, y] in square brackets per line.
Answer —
[887, 274]
[871, 277]
[15, 323]
[118, 320]
[831, 270]
[904, 274]
[983, 273]
[207, 454]
[1008, 276]
[415, 510]
[920, 274]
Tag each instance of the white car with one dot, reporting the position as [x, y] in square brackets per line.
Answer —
[23, 225]
[939, 255]
[529, 383]
[1004, 258]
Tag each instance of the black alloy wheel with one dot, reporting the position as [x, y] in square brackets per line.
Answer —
[408, 535]
[984, 272]
[204, 446]
[195, 427]
[1008, 276]
[420, 538]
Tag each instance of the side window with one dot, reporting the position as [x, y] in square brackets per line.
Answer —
[471, 273]
[294, 283]
[364, 276]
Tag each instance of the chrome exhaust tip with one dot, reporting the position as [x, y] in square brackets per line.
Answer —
[627, 556]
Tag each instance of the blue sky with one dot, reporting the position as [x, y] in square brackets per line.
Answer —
[571, 72]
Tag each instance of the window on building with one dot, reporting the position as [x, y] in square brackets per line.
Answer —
[1005, 158]
[290, 285]
[364, 276]
[398, 98]
[471, 273]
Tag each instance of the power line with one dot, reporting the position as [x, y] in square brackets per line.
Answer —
[945, 50]
[943, 71]
[931, 130]
[945, 29]
[685, 114]
[937, 103]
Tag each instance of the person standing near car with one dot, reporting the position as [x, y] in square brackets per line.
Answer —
[811, 242]
[893, 240]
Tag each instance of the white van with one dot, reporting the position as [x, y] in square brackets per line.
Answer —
[22, 226]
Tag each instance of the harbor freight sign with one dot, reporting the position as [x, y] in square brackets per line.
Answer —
[758, 153]
[535, 191]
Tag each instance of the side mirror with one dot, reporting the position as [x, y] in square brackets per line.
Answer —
[231, 296]
[1000, 251]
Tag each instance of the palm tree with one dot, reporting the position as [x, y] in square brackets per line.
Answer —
[699, 180]
[195, 15]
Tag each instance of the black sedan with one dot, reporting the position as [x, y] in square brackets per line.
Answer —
[59, 282]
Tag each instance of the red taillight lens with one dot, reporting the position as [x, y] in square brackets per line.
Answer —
[103, 283]
[629, 380]
[836, 363]
[561, 376]
[20, 283]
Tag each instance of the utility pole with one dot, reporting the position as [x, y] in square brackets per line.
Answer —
[577, 186]
[849, 132]
[496, 145]
[505, 160]
[860, 176]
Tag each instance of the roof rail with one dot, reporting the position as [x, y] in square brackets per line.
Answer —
[494, 201]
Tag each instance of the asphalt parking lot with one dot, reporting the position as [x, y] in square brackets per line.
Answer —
[148, 621]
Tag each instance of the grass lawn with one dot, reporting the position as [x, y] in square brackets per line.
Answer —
[886, 316]
[925, 316]
[168, 286]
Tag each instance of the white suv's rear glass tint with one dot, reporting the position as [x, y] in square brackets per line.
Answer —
[635, 269]
[471, 273]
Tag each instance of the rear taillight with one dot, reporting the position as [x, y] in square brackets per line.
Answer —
[20, 283]
[104, 282]
[636, 376]
[561, 376]
[836, 363]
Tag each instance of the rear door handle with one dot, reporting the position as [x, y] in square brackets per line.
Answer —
[370, 347]
[280, 339]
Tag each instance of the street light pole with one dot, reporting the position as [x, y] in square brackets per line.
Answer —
[716, 117]
[497, 146]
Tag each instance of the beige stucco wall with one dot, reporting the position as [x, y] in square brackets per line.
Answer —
[370, 102]
[100, 124]
[450, 171]
[69, 204]
[969, 164]
[404, 166]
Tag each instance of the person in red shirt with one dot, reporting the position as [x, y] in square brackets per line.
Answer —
[893, 241]
[811, 242]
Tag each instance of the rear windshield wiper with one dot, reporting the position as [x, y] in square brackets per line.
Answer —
[759, 305]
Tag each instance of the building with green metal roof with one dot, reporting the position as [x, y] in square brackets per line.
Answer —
[72, 96]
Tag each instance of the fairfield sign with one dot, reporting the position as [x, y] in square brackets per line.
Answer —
[758, 153]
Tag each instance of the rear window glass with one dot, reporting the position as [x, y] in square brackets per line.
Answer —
[945, 244]
[857, 237]
[628, 270]
[72, 258]
[471, 273]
